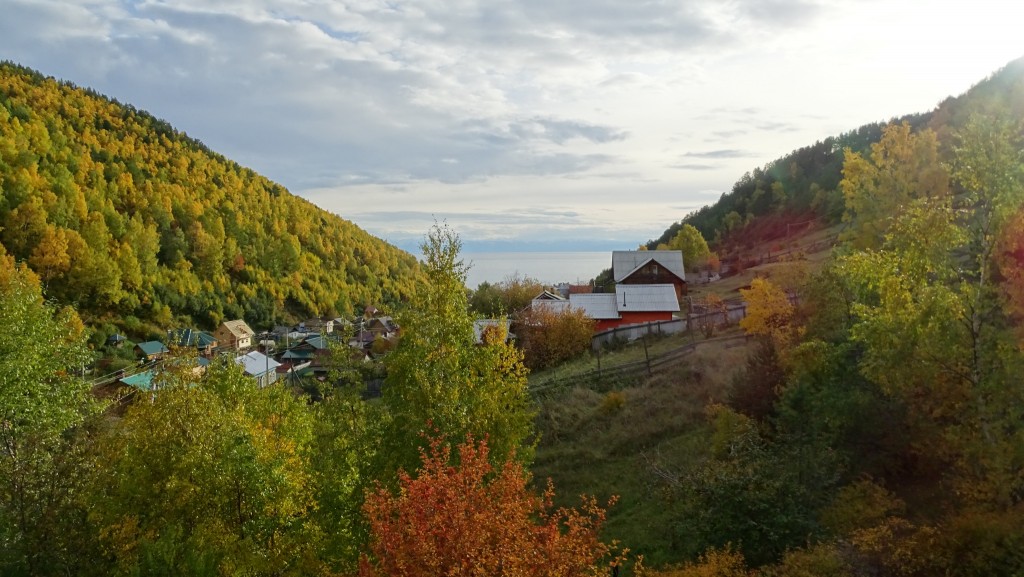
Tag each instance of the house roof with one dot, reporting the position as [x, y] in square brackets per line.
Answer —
[595, 305]
[297, 354]
[626, 262]
[194, 338]
[238, 328]
[317, 342]
[256, 363]
[549, 296]
[152, 348]
[646, 298]
[142, 381]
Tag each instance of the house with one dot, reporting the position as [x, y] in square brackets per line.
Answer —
[312, 350]
[628, 305]
[235, 335]
[142, 380]
[549, 300]
[315, 325]
[381, 327]
[116, 340]
[202, 341]
[150, 351]
[648, 267]
[260, 367]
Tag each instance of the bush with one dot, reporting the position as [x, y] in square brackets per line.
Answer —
[552, 337]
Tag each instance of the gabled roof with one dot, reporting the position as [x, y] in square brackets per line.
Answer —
[317, 342]
[142, 381]
[597, 306]
[626, 262]
[256, 363]
[646, 298]
[238, 328]
[549, 296]
[152, 348]
[194, 338]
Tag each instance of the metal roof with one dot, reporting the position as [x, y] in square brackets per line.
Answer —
[596, 305]
[625, 262]
[646, 298]
[152, 348]
[556, 306]
[257, 363]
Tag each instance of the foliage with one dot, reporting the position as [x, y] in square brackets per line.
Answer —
[468, 518]
[902, 166]
[210, 473]
[550, 337]
[769, 312]
[121, 215]
[439, 380]
[43, 404]
[693, 246]
[508, 297]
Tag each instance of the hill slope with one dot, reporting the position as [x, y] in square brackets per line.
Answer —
[133, 222]
[805, 183]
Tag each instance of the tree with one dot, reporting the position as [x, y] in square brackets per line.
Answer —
[769, 312]
[210, 475]
[465, 516]
[439, 380]
[551, 337]
[692, 244]
[42, 404]
[902, 166]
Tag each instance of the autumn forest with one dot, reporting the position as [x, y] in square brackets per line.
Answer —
[874, 425]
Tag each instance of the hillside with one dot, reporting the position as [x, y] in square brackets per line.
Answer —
[804, 184]
[141, 227]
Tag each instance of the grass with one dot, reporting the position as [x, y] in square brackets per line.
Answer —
[605, 444]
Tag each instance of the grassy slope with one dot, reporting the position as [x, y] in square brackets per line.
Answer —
[590, 444]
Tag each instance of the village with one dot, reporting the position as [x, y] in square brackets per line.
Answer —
[649, 287]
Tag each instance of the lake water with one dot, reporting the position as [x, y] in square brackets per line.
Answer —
[548, 267]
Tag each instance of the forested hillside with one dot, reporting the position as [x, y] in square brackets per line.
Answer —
[805, 183]
[139, 226]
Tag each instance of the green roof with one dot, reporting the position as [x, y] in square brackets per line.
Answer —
[142, 381]
[152, 348]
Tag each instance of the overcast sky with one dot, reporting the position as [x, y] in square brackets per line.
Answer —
[558, 124]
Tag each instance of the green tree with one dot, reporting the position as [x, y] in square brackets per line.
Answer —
[42, 404]
[692, 244]
[208, 475]
[439, 381]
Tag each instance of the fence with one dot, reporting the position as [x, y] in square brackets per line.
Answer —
[608, 378]
[629, 333]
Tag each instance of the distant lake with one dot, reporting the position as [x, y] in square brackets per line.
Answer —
[547, 267]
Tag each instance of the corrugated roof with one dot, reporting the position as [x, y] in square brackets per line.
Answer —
[152, 348]
[646, 298]
[625, 262]
[257, 363]
[596, 305]
[142, 381]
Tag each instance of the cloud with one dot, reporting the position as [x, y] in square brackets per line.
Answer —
[728, 153]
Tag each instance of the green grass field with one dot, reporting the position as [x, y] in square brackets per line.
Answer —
[616, 442]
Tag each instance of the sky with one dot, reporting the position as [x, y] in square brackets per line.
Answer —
[525, 125]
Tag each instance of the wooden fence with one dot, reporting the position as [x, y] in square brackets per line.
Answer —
[604, 378]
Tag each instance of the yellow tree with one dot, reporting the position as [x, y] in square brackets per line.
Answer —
[902, 166]
[769, 312]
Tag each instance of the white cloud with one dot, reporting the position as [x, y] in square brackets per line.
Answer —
[599, 118]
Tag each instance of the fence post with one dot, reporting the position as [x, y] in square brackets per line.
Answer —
[647, 356]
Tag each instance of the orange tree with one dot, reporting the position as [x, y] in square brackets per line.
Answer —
[468, 519]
